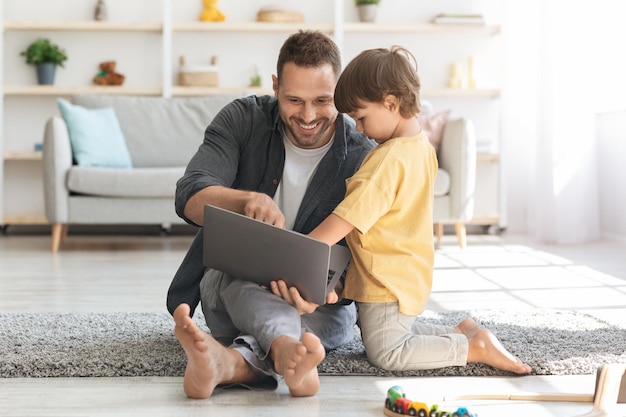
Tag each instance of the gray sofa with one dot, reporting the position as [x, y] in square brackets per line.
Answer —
[161, 135]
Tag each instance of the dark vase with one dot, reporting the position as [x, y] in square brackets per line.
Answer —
[45, 73]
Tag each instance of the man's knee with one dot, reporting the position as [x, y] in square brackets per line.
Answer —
[333, 324]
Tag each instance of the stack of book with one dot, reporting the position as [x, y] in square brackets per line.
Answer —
[461, 18]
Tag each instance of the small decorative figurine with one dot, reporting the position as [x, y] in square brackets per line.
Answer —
[471, 81]
[107, 74]
[455, 79]
[211, 13]
[100, 13]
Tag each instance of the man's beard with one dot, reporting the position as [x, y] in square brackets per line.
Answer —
[308, 141]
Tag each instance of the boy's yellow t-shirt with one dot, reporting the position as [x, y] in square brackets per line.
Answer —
[389, 201]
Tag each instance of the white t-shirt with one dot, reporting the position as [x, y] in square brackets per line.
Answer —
[300, 165]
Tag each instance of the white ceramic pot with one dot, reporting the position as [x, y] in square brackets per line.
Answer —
[367, 12]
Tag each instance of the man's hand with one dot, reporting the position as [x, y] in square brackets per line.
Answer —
[261, 207]
[293, 297]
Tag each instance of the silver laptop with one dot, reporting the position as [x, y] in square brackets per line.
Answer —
[250, 249]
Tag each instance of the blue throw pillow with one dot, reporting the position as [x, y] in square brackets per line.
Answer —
[95, 135]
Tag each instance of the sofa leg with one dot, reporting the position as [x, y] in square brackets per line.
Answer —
[59, 233]
[64, 232]
[461, 234]
[438, 234]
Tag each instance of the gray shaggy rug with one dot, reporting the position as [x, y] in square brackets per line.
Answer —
[143, 344]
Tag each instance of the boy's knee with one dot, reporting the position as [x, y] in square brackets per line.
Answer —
[384, 361]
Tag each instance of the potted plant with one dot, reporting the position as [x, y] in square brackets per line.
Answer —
[367, 9]
[45, 56]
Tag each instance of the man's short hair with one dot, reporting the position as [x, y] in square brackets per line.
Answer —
[308, 48]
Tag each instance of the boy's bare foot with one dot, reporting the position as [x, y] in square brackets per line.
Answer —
[486, 348]
[468, 327]
[209, 363]
[297, 362]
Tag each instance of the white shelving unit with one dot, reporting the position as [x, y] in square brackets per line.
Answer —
[84, 26]
[423, 28]
[253, 27]
[167, 30]
[52, 90]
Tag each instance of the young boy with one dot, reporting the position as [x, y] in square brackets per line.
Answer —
[386, 218]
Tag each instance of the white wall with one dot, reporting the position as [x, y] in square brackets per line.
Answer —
[611, 134]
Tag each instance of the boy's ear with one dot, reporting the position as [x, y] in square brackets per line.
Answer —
[391, 102]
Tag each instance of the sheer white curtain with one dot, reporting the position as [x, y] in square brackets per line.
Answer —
[562, 76]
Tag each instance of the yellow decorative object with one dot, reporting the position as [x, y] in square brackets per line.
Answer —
[211, 13]
[471, 81]
[455, 78]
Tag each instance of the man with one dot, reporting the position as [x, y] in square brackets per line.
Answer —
[282, 160]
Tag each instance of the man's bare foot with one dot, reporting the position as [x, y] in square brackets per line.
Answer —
[468, 327]
[486, 348]
[209, 363]
[297, 362]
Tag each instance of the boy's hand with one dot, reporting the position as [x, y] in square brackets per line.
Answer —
[293, 297]
[332, 297]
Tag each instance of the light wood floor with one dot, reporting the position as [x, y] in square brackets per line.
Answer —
[131, 273]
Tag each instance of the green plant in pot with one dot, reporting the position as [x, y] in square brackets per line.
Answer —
[45, 56]
[367, 9]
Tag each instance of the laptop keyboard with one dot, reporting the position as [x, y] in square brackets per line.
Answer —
[331, 274]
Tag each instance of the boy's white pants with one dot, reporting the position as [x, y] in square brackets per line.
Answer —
[397, 342]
